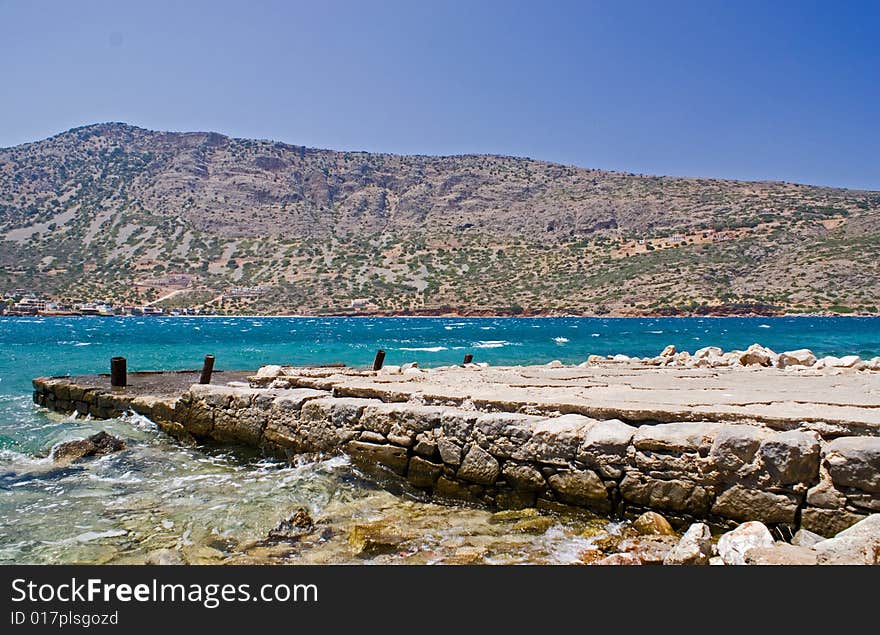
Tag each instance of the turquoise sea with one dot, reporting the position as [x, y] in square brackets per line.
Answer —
[158, 494]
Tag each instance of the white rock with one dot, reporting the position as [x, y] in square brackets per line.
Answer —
[707, 352]
[873, 363]
[799, 357]
[272, 370]
[848, 361]
[483, 364]
[694, 548]
[621, 358]
[412, 370]
[409, 365]
[391, 370]
[860, 544]
[733, 545]
[555, 364]
[669, 351]
[757, 355]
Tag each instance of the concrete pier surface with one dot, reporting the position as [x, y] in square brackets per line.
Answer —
[794, 448]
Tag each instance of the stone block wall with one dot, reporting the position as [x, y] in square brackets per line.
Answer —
[723, 472]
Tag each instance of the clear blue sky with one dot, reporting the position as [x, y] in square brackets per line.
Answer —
[750, 90]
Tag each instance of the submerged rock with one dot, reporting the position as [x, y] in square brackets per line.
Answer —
[375, 538]
[293, 527]
[98, 444]
[537, 525]
[652, 523]
[513, 515]
[165, 557]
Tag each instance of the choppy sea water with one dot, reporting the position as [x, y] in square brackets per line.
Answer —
[218, 504]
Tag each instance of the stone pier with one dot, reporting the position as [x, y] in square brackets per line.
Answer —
[794, 449]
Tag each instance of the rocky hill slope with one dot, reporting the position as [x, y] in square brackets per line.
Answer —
[119, 212]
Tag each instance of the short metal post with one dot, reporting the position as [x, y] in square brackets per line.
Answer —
[379, 360]
[118, 372]
[207, 369]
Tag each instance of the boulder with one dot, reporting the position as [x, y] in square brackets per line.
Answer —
[652, 523]
[422, 473]
[269, 371]
[555, 440]
[96, 445]
[370, 454]
[619, 559]
[582, 487]
[738, 503]
[620, 358]
[781, 553]
[523, 477]
[555, 364]
[799, 357]
[694, 548]
[854, 462]
[848, 361]
[605, 447]
[860, 544]
[734, 545]
[675, 437]
[791, 457]
[708, 352]
[450, 451]
[757, 355]
[735, 447]
[649, 549]
[669, 351]
[479, 466]
[679, 495]
[805, 538]
[828, 522]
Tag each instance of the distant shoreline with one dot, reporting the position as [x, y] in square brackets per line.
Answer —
[488, 316]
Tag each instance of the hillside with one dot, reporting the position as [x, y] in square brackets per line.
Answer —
[118, 212]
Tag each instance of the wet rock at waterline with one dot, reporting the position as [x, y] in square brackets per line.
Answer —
[293, 527]
[96, 445]
[370, 539]
[652, 523]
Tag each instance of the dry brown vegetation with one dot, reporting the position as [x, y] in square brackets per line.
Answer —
[95, 210]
